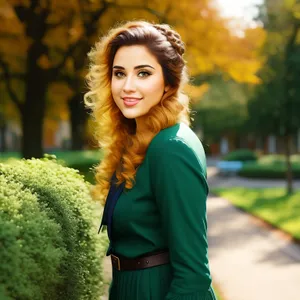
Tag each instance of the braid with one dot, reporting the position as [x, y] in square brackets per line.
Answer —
[172, 36]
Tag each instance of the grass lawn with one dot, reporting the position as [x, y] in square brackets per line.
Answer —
[271, 205]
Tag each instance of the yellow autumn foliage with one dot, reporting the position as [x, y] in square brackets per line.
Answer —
[211, 47]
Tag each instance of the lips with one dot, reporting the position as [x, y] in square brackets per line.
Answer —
[129, 101]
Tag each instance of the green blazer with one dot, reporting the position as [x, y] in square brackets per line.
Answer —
[165, 209]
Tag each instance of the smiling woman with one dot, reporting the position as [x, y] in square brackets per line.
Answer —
[153, 95]
[154, 169]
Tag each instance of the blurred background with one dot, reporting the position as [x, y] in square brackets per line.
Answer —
[243, 57]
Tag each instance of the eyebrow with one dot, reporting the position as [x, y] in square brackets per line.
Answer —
[137, 67]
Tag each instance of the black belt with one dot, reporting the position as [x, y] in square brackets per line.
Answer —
[122, 263]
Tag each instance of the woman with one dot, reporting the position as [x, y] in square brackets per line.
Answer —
[154, 168]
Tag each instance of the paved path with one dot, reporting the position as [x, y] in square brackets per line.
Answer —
[247, 261]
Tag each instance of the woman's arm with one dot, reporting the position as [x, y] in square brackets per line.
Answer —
[179, 184]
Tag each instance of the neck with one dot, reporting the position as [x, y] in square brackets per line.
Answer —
[141, 126]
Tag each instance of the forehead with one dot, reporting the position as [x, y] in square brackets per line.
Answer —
[128, 56]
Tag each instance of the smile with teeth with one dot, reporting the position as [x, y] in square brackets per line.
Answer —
[131, 99]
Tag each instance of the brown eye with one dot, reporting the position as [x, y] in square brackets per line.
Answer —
[144, 74]
[119, 74]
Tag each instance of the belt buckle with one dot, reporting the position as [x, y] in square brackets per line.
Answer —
[116, 259]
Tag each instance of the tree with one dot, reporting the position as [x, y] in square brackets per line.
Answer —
[222, 110]
[276, 102]
[53, 38]
[34, 62]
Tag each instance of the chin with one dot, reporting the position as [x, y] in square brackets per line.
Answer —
[130, 117]
[131, 114]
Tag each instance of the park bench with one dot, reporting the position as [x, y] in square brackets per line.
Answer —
[229, 167]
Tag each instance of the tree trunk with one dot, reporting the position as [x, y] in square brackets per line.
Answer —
[32, 125]
[78, 121]
[289, 171]
[3, 140]
[33, 111]
[32, 136]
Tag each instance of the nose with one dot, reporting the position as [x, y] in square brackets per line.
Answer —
[129, 85]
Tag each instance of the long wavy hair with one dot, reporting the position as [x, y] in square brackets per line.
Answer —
[124, 148]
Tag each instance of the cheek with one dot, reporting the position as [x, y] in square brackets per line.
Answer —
[114, 87]
[153, 87]
[115, 92]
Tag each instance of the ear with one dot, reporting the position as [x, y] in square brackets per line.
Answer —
[167, 87]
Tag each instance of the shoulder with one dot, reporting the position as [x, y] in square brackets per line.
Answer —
[174, 141]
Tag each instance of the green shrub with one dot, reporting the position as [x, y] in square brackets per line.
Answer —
[241, 155]
[64, 197]
[264, 170]
[31, 245]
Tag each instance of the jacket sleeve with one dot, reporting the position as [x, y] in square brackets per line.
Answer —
[179, 184]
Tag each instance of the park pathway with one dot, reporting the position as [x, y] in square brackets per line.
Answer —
[247, 260]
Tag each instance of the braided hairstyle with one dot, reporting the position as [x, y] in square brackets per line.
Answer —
[172, 36]
[162, 41]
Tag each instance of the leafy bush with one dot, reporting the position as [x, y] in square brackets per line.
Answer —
[241, 155]
[271, 171]
[31, 245]
[64, 197]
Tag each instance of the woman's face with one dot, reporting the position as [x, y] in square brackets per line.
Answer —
[137, 81]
